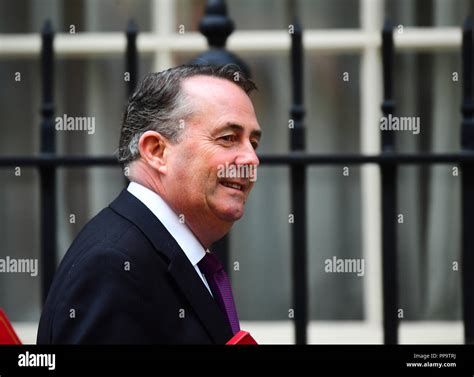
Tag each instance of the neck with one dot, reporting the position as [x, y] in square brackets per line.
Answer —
[206, 230]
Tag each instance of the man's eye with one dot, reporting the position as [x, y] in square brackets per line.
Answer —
[229, 138]
[254, 145]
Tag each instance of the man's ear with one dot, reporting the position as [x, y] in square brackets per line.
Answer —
[153, 149]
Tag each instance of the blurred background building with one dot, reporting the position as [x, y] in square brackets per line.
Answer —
[342, 116]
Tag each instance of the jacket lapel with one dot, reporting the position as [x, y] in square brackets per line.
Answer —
[198, 296]
[180, 269]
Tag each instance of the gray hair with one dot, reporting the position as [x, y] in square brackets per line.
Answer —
[159, 104]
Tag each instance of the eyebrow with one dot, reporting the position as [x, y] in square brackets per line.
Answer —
[238, 127]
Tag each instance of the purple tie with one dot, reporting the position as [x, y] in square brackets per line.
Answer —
[220, 288]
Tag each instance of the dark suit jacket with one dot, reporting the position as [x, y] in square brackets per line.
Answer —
[126, 280]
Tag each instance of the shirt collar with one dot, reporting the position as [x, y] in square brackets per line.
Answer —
[171, 221]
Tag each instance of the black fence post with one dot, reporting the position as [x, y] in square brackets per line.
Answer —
[216, 26]
[298, 191]
[47, 173]
[467, 186]
[131, 57]
[389, 199]
[131, 70]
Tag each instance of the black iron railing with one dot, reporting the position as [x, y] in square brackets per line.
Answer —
[47, 173]
[467, 185]
[388, 173]
[47, 163]
[298, 190]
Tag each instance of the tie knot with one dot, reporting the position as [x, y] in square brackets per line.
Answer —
[209, 265]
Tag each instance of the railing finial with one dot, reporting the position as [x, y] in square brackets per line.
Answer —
[216, 26]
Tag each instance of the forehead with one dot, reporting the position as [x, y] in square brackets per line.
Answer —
[220, 101]
[211, 86]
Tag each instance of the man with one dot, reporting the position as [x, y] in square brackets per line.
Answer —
[140, 271]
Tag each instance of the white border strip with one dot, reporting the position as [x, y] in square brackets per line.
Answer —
[344, 332]
[350, 40]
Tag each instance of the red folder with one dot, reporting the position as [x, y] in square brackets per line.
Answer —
[242, 337]
[7, 334]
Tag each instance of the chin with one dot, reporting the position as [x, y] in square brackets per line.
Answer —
[231, 214]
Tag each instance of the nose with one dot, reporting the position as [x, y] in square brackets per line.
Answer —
[247, 155]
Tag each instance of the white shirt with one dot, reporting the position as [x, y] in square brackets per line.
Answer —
[178, 230]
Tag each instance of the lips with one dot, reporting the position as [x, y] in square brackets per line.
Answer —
[232, 185]
[235, 185]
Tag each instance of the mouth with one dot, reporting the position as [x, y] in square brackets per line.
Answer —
[236, 186]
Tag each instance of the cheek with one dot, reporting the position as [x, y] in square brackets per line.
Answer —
[193, 172]
[182, 162]
[197, 165]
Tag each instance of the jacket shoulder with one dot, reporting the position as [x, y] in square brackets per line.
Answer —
[109, 262]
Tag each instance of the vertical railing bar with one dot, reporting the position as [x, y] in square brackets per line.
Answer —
[298, 191]
[131, 68]
[216, 26]
[131, 56]
[47, 173]
[467, 185]
[389, 199]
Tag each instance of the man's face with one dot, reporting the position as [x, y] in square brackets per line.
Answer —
[222, 132]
